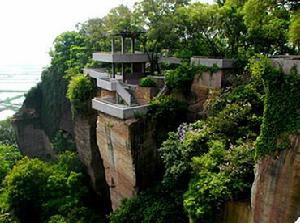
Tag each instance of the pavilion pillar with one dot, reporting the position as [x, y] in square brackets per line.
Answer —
[132, 45]
[112, 45]
[122, 44]
[113, 70]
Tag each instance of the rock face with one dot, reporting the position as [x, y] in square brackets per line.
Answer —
[32, 139]
[128, 152]
[276, 189]
[86, 145]
[237, 212]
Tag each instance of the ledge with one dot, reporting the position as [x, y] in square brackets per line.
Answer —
[121, 58]
[117, 110]
[287, 63]
[96, 73]
[209, 62]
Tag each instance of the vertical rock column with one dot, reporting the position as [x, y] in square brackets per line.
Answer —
[276, 189]
[114, 142]
[86, 144]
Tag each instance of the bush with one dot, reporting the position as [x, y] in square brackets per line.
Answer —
[182, 77]
[62, 142]
[7, 133]
[36, 191]
[147, 207]
[147, 82]
[33, 98]
[9, 155]
[281, 106]
[219, 174]
[80, 93]
[162, 107]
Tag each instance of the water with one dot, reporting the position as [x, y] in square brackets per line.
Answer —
[15, 81]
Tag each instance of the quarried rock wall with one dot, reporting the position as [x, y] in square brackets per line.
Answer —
[89, 155]
[276, 189]
[128, 152]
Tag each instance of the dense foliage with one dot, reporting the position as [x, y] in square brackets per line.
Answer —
[181, 77]
[80, 93]
[62, 142]
[281, 106]
[37, 191]
[206, 163]
[7, 133]
[147, 82]
[215, 155]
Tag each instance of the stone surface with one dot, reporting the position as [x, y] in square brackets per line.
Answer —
[31, 138]
[86, 145]
[143, 95]
[209, 62]
[210, 80]
[237, 212]
[276, 189]
[128, 152]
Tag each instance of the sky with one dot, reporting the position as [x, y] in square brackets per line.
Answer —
[28, 27]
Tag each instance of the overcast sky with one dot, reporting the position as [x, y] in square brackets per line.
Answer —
[28, 27]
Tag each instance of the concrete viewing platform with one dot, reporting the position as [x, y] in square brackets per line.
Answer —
[209, 62]
[96, 73]
[118, 110]
[121, 57]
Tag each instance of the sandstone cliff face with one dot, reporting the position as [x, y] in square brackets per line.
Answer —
[86, 145]
[129, 155]
[276, 189]
[237, 212]
[32, 139]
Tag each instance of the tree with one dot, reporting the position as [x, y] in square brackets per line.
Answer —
[25, 188]
[35, 191]
[80, 93]
[294, 30]
[267, 24]
[9, 155]
[69, 54]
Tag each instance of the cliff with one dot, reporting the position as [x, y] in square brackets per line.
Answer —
[276, 189]
[89, 155]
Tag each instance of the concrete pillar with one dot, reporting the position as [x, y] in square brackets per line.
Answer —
[113, 70]
[122, 71]
[113, 45]
[132, 45]
[122, 44]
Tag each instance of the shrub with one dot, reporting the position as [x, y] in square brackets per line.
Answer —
[7, 133]
[147, 82]
[219, 174]
[281, 106]
[33, 98]
[182, 77]
[150, 206]
[80, 93]
[9, 155]
[63, 141]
